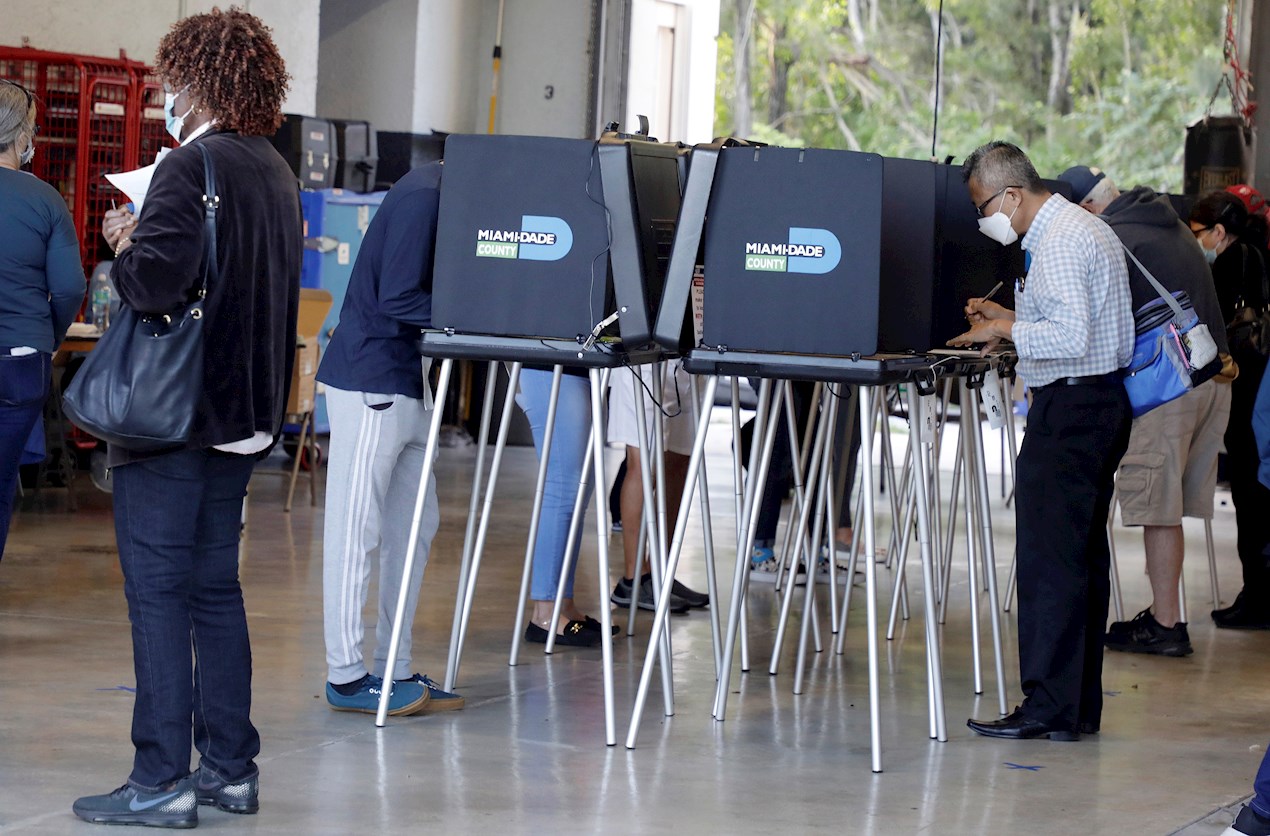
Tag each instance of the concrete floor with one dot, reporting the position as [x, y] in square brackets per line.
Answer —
[1181, 738]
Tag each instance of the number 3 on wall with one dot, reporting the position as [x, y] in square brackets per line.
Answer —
[549, 91]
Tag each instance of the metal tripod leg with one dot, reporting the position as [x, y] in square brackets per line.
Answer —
[696, 467]
[989, 551]
[602, 555]
[745, 547]
[430, 452]
[465, 564]
[535, 518]
[478, 550]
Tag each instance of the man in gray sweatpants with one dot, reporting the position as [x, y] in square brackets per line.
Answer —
[380, 407]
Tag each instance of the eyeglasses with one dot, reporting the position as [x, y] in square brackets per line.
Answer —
[995, 195]
[1198, 232]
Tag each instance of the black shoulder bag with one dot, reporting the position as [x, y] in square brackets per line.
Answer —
[140, 387]
[1250, 328]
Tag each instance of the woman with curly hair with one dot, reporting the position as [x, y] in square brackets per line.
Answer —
[177, 511]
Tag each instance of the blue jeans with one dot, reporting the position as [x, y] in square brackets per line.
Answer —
[1261, 788]
[564, 471]
[24, 386]
[177, 520]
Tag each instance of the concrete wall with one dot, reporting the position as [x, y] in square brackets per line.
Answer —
[544, 87]
[85, 27]
[424, 65]
[365, 68]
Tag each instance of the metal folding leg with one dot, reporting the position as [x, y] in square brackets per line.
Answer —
[430, 452]
[745, 546]
[602, 555]
[482, 529]
[465, 564]
[535, 519]
[696, 467]
[985, 539]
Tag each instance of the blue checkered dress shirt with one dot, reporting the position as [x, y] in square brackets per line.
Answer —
[1073, 314]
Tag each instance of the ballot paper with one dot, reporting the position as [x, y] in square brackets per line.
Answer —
[134, 184]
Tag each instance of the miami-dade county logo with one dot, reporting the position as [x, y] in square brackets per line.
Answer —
[809, 250]
[540, 238]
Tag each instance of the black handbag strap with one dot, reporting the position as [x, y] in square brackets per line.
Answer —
[211, 202]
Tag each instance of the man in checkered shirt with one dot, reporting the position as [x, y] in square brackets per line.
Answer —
[1073, 330]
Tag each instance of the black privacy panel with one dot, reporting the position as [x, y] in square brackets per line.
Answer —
[522, 238]
[792, 251]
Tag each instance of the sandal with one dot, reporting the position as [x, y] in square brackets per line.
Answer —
[575, 634]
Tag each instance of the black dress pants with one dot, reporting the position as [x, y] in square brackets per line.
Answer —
[1075, 438]
[1251, 498]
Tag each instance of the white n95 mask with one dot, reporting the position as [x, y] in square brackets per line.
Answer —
[997, 227]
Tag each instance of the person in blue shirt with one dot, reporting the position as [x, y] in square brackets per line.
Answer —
[380, 408]
[41, 286]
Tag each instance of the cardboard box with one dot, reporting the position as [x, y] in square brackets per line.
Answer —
[303, 378]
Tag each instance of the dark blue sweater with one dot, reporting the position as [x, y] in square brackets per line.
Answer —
[41, 280]
[389, 296]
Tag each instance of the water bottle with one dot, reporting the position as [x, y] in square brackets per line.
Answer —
[101, 302]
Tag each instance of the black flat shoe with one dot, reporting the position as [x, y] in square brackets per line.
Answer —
[1242, 615]
[596, 627]
[1016, 726]
[575, 634]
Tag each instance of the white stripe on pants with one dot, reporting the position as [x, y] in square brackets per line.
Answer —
[376, 458]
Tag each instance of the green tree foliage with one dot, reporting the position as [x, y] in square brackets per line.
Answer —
[1106, 83]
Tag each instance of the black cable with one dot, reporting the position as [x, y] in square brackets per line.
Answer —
[679, 407]
[939, 66]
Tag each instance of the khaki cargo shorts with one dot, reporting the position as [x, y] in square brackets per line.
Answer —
[1170, 468]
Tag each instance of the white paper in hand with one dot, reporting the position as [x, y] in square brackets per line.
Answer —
[134, 184]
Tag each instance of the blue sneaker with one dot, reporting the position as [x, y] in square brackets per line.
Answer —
[176, 806]
[438, 699]
[407, 697]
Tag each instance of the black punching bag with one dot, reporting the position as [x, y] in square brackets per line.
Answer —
[1218, 154]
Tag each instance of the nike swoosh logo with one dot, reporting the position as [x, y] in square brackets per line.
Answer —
[136, 805]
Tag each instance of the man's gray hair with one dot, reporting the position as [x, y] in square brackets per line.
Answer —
[1103, 192]
[999, 165]
[17, 114]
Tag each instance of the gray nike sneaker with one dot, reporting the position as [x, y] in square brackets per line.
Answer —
[232, 797]
[176, 806]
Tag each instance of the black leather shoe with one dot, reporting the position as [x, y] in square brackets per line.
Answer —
[595, 626]
[1243, 615]
[575, 634]
[1018, 727]
[1088, 727]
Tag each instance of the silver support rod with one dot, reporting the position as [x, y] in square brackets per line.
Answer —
[602, 555]
[535, 517]
[465, 564]
[421, 494]
[478, 551]
[745, 546]
[696, 467]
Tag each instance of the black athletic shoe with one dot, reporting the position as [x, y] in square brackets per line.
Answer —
[622, 596]
[231, 796]
[175, 806]
[1143, 634]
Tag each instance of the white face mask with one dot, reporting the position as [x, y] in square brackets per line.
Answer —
[997, 227]
[175, 124]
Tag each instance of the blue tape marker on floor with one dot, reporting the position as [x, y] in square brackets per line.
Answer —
[1021, 766]
[118, 688]
[1111, 693]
